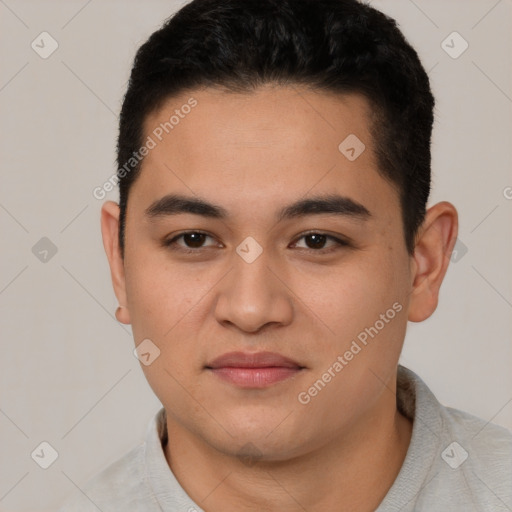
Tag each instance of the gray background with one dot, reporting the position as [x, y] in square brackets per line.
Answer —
[68, 375]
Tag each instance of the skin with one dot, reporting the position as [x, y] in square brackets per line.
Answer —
[253, 154]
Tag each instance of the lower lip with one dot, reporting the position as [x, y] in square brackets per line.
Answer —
[255, 377]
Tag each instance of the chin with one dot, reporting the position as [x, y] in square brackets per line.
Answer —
[268, 435]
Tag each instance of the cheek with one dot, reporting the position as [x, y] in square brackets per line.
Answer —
[363, 306]
[362, 311]
[169, 303]
[346, 296]
[173, 300]
[164, 302]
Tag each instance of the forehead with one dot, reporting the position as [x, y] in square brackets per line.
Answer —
[263, 148]
[279, 117]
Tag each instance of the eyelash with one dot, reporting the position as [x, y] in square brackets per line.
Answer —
[171, 244]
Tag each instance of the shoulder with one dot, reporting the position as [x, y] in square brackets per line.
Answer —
[455, 461]
[473, 466]
[486, 440]
[488, 446]
[120, 486]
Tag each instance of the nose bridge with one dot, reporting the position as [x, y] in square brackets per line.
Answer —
[254, 278]
[252, 296]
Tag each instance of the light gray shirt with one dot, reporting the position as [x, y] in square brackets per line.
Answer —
[455, 462]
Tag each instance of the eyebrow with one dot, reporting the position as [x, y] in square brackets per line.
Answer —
[176, 204]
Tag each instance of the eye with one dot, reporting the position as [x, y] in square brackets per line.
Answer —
[192, 240]
[316, 242]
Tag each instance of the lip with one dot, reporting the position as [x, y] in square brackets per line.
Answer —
[253, 370]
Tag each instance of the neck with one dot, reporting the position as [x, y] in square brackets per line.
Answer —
[352, 471]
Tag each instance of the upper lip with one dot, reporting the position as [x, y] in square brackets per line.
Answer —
[252, 360]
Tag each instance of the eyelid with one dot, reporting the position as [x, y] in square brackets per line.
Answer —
[172, 241]
[338, 238]
[340, 241]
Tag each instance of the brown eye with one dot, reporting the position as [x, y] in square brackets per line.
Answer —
[194, 239]
[191, 240]
[316, 242]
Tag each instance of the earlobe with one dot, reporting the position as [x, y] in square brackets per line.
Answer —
[122, 315]
[434, 245]
[110, 234]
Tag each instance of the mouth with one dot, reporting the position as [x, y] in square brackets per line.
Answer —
[253, 370]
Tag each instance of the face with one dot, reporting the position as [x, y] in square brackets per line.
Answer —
[271, 265]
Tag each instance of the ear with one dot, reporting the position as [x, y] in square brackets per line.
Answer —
[434, 245]
[110, 233]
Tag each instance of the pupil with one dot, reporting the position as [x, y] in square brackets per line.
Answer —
[197, 239]
[194, 238]
[320, 240]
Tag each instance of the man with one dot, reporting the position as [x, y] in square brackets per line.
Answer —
[270, 245]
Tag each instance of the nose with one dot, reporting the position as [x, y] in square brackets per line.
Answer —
[254, 296]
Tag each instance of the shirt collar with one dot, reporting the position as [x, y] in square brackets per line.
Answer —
[166, 490]
[416, 402]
